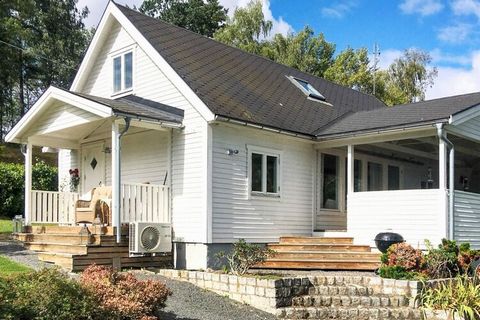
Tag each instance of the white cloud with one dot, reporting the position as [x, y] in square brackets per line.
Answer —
[466, 7]
[339, 9]
[456, 33]
[96, 8]
[422, 7]
[438, 57]
[387, 57]
[453, 81]
[279, 25]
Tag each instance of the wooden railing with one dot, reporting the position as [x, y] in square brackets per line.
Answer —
[145, 202]
[53, 207]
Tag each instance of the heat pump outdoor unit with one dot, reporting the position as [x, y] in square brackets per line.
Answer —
[150, 237]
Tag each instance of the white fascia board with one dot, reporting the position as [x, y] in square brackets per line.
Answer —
[113, 11]
[50, 95]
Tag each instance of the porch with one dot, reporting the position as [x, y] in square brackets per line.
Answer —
[414, 184]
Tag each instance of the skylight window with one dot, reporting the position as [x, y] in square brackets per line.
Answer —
[307, 88]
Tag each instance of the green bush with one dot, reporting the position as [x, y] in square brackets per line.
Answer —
[399, 273]
[461, 296]
[12, 185]
[44, 295]
[244, 256]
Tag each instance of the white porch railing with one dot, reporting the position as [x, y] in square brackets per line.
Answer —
[53, 207]
[467, 218]
[415, 214]
[145, 202]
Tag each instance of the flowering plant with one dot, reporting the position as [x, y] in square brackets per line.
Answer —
[74, 179]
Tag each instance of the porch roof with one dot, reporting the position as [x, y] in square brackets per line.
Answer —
[414, 114]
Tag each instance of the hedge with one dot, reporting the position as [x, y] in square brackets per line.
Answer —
[12, 185]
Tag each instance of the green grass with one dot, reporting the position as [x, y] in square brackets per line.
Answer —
[9, 267]
[6, 225]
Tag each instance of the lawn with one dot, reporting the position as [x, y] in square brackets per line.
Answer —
[6, 225]
[8, 267]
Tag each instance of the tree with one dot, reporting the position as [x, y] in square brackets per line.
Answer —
[43, 42]
[351, 68]
[409, 78]
[246, 29]
[203, 17]
[303, 51]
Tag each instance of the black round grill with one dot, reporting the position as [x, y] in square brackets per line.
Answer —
[384, 240]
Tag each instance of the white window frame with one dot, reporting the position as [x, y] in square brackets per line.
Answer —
[121, 53]
[264, 152]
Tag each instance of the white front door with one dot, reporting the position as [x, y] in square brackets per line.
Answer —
[93, 166]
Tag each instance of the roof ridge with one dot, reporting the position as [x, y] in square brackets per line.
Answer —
[246, 52]
[438, 99]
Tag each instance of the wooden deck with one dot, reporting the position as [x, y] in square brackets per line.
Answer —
[75, 248]
[326, 253]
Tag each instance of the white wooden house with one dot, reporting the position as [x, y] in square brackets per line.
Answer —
[227, 145]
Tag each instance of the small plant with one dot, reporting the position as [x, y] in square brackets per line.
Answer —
[123, 296]
[460, 296]
[74, 179]
[399, 273]
[404, 255]
[244, 256]
[443, 261]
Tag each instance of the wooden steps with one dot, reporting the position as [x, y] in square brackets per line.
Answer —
[73, 249]
[327, 253]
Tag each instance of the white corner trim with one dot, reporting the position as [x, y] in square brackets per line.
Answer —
[113, 11]
[45, 99]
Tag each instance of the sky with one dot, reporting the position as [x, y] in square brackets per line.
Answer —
[447, 29]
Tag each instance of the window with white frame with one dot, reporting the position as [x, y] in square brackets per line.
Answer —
[264, 169]
[122, 72]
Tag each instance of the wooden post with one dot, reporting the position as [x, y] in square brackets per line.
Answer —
[116, 179]
[442, 165]
[28, 183]
[350, 169]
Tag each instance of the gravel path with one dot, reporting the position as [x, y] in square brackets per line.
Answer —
[190, 302]
[18, 253]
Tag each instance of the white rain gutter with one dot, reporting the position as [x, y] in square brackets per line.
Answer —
[451, 177]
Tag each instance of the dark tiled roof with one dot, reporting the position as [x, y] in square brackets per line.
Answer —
[139, 107]
[243, 86]
[402, 115]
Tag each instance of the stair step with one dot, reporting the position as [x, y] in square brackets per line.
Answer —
[320, 247]
[63, 260]
[352, 313]
[351, 301]
[54, 229]
[316, 240]
[69, 238]
[329, 255]
[337, 264]
[56, 247]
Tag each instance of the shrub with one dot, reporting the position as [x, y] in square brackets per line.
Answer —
[46, 294]
[404, 255]
[399, 273]
[123, 296]
[461, 296]
[244, 256]
[443, 261]
[12, 185]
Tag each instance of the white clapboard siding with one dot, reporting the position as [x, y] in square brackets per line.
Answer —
[61, 116]
[415, 214]
[145, 203]
[469, 128]
[53, 207]
[238, 215]
[188, 146]
[467, 218]
[67, 159]
[144, 158]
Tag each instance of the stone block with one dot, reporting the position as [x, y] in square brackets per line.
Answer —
[242, 280]
[242, 289]
[262, 283]
[277, 283]
[270, 292]
[355, 300]
[192, 275]
[184, 274]
[233, 279]
[330, 280]
[345, 300]
[251, 290]
[384, 301]
[224, 287]
[375, 301]
[233, 288]
[224, 278]
[207, 276]
[215, 277]
[260, 291]
[297, 282]
[306, 282]
[251, 281]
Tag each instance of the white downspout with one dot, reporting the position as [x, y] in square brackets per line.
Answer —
[117, 175]
[451, 177]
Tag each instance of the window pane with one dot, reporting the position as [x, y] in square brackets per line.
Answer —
[357, 175]
[330, 182]
[128, 70]
[375, 176]
[117, 74]
[272, 174]
[393, 178]
[256, 172]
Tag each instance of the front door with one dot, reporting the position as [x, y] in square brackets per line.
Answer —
[93, 166]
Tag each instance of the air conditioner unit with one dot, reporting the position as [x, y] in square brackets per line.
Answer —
[150, 237]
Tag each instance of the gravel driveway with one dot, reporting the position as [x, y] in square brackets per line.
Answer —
[189, 302]
[19, 254]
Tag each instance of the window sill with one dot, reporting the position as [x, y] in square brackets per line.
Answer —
[122, 93]
[265, 196]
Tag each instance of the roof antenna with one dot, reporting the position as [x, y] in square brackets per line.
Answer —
[376, 59]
